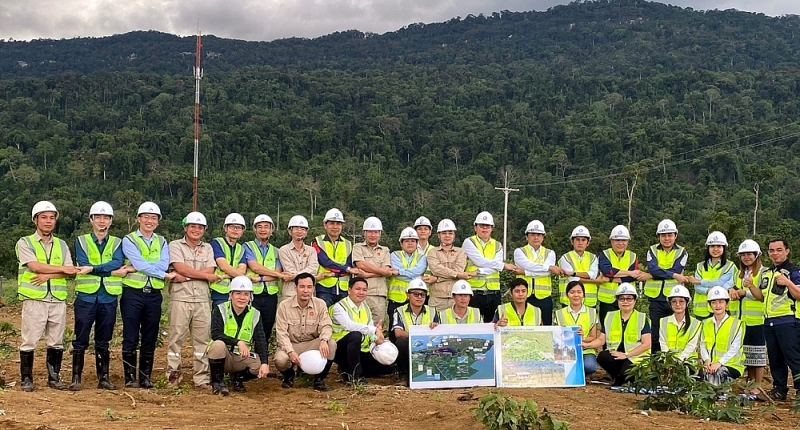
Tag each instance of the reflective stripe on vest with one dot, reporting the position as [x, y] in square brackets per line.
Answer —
[150, 254]
[424, 318]
[473, 316]
[653, 287]
[397, 286]
[89, 284]
[677, 339]
[361, 316]
[717, 342]
[775, 305]
[632, 335]
[747, 310]
[339, 255]
[579, 264]
[606, 290]
[223, 286]
[480, 282]
[232, 329]
[532, 316]
[713, 273]
[427, 268]
[57, 286]
[269, 261]
[541, 287]
[586, 320]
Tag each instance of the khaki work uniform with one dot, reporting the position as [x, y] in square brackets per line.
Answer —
[377, 288]
[445, 265]
[297, 262]
[301, 329]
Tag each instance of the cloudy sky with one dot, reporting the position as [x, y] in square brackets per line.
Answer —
[273, 19]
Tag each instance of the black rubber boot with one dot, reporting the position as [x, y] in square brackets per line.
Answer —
[102, 362]
[238, 380]
[77, 370]
[54, 358]
[217, 369]
[145, 369]
[288, 378]
[26, 371]
[319, 380]
[129, 368]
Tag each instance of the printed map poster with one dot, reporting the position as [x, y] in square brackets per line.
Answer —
[452, 355]
[542, 356]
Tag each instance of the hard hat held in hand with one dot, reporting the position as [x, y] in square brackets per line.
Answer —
[333, 215]
[262, 218]
[749, 245]
[716, 238]
[312, 362]
[535, 226]
[234, 219]
[580, 231]
[373, 224]
[446, 225]
[149, 208]
[241, 283]
[385, 353]
[101, 208]
[408, 233]
[298, 221]
[666, 226]
[195, 218]
[718, 293]
[620, 232]
[484, 218]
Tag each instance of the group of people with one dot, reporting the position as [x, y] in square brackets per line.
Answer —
[330, 301]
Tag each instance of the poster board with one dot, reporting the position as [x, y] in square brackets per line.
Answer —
[539, 357]
[452, 355]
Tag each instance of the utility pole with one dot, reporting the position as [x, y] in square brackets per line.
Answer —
[198, 74]
[505, 191]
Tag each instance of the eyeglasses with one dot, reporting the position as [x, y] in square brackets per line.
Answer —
[626, 299]
[235, 227]
[417, 294]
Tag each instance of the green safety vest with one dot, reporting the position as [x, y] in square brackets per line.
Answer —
[473, 316]
[586, 320]
[480, 282]
[677, 339]
[579, 264]
[713, 272]
[269, 261]
[397, 286]
[541, 287]
[232, 329]
[57, 286]
[360, 315]
[607, 290]
[775, 305]
[339, 255]
[532, 316]
[747, 310]
[89, 284]
[426, 317]
[223, 286]
[150, 254]
[427, 250]
[632, 335]
[653, 287]
[717, 342]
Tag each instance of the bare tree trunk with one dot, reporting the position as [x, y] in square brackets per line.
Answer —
[629, 188]
[755, 209]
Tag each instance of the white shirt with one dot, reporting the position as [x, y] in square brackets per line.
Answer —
[341, 316]
[536, 270]
[691, 346]
[485, 266]
[564, 263]
[733, 348]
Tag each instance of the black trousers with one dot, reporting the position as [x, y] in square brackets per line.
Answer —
[487, 304]
[102, 315]
[267, 304]
[604, 308]
[391, 307]
[545, 305]
[141, 315]
[617, 369]
[403, 355]
[658, 309]
[783, 352]
[352, 360]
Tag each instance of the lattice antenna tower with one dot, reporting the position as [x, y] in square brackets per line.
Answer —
[198, 74]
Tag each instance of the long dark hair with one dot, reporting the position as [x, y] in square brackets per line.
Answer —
[723, 259]
[688, 316]
[756, 265]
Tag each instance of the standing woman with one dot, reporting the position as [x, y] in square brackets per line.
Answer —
[628, 336]
[577, 314]
[750, 311]
[721, 344]
[715, 270]
[679, 333]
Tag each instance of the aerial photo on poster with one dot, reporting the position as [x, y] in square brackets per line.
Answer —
[452, 356]
[541, 356]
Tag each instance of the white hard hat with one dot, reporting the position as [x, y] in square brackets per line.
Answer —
[373, 224]
[717, 293]
[580, 231]
[385, 353]
[445, 225]
[149, 208]
[749, 245]
[416, 284]
[236, 219]
[716, 238]
[262, 218]
[298, 221]
[484, 218]
[423, 221]
[312, 362]
[241, 283]
[620, 232]
[535, 226]
[333, 215]
[408, 233]
[462, 287]
[101, 208]
[626, 289]
[43, 206]
[195, 218]
[666, 226]
[679, 291]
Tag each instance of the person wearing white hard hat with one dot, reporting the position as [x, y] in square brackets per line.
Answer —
[229, 255]
[618, 264]
[415, 312]
[374, 260]
[628, 336]
[460, 312]
[485, 257]
[680, 333]
[750, 311]
[296, 257]
[354, 332]
[536, 265]
[96, 295]
[334, 253]
[44, 263]
[238, 344]
[409, 263]
[721, 341]
[303, 324]
[517, 312]
[147, 258]
[580, 265]
[194, 267]
[578, 314]
[715, 270]
[447, 264]
[665, 263]
[424, 228]
[264, 270]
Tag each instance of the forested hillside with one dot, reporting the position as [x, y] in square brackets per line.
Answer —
[688, 111]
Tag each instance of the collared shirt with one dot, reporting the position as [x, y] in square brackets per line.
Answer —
[220, 253]
[259, 340]
[264, 248]
[198, 258]
[677, 267]
[691, 346]
[574, 314]
[605, 267]
[102, 270]
[446, 264]
[536, 270]
[725, 279]
[566, 265]
[341, 316]
[156, 269]
[26, 254]
[297, 261]
[412, 272]
[295, 324]
[326, 261]
[733, 346]
[377, 256]
[399, 322]
[485, 265]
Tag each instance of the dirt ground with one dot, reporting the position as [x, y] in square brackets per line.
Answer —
[266, 405]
